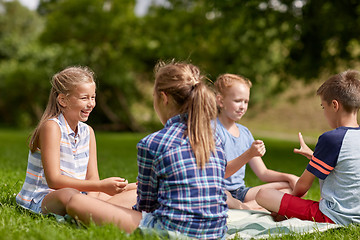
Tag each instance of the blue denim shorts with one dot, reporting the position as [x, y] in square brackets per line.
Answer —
[240, 193]
[36, 207]
[150, 225]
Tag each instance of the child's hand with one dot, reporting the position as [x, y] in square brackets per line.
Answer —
[113, 185]
[304, 149]
[131, 186]
[257, 148]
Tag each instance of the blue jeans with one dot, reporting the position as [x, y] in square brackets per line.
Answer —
[240, 193]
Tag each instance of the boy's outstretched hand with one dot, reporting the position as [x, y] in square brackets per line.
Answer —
[304, 149]
[257, 148]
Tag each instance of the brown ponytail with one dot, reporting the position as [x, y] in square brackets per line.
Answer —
[191, 94]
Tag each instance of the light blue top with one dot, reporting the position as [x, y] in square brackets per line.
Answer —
[336, 162]
[234, 147]
[74, 157]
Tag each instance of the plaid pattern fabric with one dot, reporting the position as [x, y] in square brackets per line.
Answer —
[184, 197]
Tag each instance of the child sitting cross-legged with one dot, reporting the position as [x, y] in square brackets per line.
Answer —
[181, 167]
[232, 96]
[335, 161]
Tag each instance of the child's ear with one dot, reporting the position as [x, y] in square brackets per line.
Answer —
[61, 98]
[335, 105]
[219, 100]
[164, 98]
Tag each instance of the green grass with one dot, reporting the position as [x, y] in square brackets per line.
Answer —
[117, 157]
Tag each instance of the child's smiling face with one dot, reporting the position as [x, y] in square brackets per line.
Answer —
[234, 102]
[79, 104]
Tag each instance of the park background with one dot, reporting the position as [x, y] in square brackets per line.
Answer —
[287, 48]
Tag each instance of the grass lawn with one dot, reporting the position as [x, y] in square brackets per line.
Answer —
[116, 157]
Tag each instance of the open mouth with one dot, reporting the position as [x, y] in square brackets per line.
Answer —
[86, 113]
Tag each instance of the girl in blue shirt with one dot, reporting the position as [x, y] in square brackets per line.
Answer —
[233, 95]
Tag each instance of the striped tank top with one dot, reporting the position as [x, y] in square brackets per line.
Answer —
[74, 157]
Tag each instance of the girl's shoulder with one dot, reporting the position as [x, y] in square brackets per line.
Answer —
[149, 138]
[220, 125]
[242, 128]
[50, 125]
[149, 144]
[164, 138]
[49, 130]
[154, 137]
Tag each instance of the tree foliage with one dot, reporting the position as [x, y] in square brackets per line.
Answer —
[328, 35]
[268, 41]
[20, 60]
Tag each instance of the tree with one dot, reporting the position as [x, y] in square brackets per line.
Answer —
[22, 76]
[102, 35]
[268, 41]
[224, 36]
[328, 38]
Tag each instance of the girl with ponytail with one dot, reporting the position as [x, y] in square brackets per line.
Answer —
[181, 187]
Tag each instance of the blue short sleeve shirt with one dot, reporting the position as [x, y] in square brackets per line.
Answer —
[234, 147]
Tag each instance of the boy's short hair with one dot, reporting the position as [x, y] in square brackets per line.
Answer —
[226, 80]
[343, 87]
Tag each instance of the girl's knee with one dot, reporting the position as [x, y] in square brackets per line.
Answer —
[67, 194]
[76, 199]
[73, 203]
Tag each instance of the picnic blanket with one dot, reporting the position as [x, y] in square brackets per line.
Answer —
[249, 224]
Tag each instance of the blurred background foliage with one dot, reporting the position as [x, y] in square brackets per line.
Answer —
[271, 42]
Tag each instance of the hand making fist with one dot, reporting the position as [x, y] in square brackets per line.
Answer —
[257, 148]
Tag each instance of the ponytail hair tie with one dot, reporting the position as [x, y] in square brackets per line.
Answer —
[194, 85]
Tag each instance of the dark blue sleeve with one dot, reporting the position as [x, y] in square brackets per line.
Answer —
[326, 153]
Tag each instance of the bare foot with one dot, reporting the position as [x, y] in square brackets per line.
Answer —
[277, 217]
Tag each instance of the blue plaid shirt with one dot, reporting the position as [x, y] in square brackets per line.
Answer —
[182, 196]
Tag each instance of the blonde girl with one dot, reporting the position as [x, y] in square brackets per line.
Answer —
[232, 96]
[62, 158]
[181, 167]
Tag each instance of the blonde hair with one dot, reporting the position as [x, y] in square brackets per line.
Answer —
[63, 82]
[343, 87]
[225, 81]
[184, 83]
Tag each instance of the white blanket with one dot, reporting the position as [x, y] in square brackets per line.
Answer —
[249, 224]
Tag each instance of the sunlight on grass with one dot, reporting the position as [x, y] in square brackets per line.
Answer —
[117, 157]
